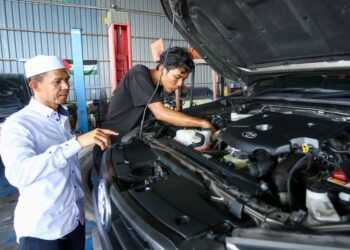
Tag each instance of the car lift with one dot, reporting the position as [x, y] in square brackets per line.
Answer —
[79, 80]
[120, 63]
[119, 51]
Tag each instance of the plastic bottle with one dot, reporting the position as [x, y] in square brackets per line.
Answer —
[197, 139]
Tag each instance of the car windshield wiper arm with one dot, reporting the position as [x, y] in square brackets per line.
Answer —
[289, 90]
[279, 90]
[337, 94]
[4, 107]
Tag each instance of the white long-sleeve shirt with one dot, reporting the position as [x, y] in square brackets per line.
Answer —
[40, 158]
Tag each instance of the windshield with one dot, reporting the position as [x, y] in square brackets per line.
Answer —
[14, 94]
[308, 86]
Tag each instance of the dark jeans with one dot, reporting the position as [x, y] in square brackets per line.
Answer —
[72, 241]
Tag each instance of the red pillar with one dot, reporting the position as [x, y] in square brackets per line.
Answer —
[119, 51]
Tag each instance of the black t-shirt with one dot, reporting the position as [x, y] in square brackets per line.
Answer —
[129, 100]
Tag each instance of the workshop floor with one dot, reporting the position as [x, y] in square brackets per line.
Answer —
[8, 200]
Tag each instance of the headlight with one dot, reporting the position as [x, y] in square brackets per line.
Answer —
[104, 204]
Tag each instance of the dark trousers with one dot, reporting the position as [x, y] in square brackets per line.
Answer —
[72, 241]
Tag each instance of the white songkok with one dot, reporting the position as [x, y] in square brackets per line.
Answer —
[42, 64]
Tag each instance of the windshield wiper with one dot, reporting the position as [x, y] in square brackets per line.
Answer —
[338, 94]
[281, 90]
[9, 109]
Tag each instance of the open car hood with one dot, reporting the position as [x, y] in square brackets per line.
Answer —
[244, 38]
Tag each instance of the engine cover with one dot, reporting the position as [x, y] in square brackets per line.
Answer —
[276, 133]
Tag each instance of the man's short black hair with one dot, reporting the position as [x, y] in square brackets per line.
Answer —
[177, 58]
[38, 78]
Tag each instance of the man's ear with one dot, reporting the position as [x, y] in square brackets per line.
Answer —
[161, 67]
[34, 85]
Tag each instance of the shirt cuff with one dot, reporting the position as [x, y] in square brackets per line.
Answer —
[70, 148]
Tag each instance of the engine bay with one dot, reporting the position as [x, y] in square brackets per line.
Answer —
[280, 167]
[302, 158]
[299, 157]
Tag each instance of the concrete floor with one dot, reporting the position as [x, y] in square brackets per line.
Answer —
[8, 200]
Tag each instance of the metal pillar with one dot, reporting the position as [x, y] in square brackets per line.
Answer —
[79, 82]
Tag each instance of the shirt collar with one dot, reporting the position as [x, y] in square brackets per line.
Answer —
[45, 110]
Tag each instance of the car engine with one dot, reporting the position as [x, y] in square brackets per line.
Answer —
[302, 159]
[269, 173]
[266, 167]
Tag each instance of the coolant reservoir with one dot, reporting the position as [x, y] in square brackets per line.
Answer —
[236, 116]
[319, 205]
[197, 139]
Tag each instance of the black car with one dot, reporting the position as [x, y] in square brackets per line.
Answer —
[276, 175]
[14, 95]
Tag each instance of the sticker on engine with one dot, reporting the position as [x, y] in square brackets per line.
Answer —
[339, 182]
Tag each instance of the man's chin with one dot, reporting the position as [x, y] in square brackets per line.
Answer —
[169, 90]
[62, 99]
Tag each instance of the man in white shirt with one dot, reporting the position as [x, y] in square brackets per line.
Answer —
[40, 157]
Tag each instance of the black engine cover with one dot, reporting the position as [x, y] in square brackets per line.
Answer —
[276, 132]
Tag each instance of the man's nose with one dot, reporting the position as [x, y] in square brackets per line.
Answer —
[179, 83]
[65, 85]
